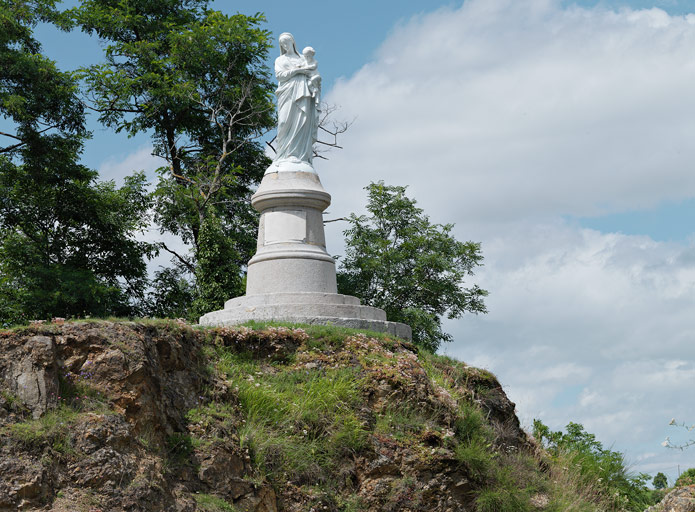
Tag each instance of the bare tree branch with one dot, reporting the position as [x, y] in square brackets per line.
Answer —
[183, 260]
[329, 126]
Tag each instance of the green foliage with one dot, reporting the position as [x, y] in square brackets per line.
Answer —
[402, 421]
[217, 273]
[687, 477]
[179, 448]
[600, 468]
[66, 241]
[300, 425]
[504, 495]
[52, 429]
[38, 98]
[660, 481]
[211, 503]
[171, 294]
[197, 81]
[398, 261]
[322, 337]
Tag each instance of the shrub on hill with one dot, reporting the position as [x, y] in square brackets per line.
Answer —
[600, 472]
[686, 478]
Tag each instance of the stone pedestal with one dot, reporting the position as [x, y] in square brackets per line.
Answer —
[292, 277]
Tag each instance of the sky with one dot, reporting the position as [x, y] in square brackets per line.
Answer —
[557, 134]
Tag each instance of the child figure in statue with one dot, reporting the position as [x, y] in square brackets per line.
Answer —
[313, 79]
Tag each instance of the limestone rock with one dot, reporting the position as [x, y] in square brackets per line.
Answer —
[30, 373]
[680, 499]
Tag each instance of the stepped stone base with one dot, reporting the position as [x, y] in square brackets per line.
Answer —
[306, 308]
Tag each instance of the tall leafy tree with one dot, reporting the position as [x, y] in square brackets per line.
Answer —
[397, 260]
[660, 481]
[66, 241]
[196, 81]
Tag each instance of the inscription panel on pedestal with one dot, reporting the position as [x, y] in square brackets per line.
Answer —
[285, 226]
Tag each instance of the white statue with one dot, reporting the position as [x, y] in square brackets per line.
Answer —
[298, 93]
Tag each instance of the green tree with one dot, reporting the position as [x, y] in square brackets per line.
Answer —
[171, 294]
[600, 469]
[197, 81]
[66, 241]
[397, 260]
[212, 279]
[660, 481]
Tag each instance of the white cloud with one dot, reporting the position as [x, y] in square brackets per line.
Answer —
[524, 108]
[589, 327]
[506, 117]
[115, 168]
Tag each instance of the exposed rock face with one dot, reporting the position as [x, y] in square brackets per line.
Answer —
[681, 499]
[107, 416]
[31, 374]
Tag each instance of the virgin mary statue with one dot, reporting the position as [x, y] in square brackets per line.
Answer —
[297, 115]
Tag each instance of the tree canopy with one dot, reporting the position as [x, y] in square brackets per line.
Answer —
[67, 244]
[195, 80]
[660, 481]
[397, 260]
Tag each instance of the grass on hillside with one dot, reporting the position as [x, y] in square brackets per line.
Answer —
[305, 425]
[54, 428]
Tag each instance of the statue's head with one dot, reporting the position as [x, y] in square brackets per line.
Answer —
[286, 42]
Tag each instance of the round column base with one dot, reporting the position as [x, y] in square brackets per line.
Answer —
[305, 308]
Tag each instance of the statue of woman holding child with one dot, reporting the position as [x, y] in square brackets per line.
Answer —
[298, 94]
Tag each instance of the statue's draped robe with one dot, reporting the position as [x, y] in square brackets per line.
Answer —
[297, 119]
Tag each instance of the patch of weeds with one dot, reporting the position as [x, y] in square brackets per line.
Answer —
[212, 503]
[206, 415]
[473, 437]
[13, 403]
[476, 458]
[172, 323]
[180, 447]
[352, 503]
[52, 429]
[149, 439]
[235, 365]
[437, 373]
[455, 375]
[378, 359]
[27, 330]
[401, 421]
[10, 399]
[323, 337]
[526, 472]
[505, 494]
[300, 425]
[404, 494]
[76, 391]
[470, 424]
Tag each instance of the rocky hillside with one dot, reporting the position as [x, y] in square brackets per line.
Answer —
[679, 499]
[159, 415]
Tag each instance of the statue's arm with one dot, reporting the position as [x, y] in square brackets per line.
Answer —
[283, 71]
